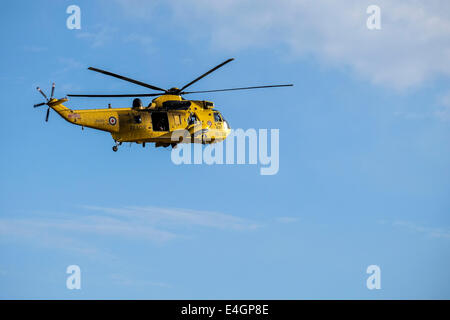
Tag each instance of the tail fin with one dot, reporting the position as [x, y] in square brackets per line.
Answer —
[57, 105]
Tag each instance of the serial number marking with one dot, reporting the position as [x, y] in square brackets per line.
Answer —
[137, 127]
[73, 116]
[247, 309]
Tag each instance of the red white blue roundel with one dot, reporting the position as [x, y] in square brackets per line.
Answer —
[112, 121]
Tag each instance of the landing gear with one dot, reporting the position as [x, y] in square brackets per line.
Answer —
[116, 146]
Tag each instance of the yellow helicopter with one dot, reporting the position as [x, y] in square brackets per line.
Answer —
[169, 115]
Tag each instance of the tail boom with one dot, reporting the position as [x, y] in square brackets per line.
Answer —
[100, 119]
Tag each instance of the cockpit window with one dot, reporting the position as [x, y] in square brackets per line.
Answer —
[217, 117]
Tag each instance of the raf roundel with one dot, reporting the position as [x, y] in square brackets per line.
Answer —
[112, 121]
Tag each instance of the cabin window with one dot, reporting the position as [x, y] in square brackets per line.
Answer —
[217, 117]
[160, 121]
[192, 119]
[137, 119]
[177, 119]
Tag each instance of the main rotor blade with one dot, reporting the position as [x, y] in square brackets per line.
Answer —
[116, 95]
[245, 88]
[127, 79]
[42, 92]
[206, 73]
[53, 91]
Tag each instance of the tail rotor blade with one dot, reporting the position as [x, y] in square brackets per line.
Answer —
[53, 91]
[39, 104]
[42, 92]
[46, 116]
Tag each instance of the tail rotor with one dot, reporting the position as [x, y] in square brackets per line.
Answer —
[47, 100]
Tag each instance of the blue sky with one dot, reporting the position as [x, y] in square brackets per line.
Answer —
[364, 153]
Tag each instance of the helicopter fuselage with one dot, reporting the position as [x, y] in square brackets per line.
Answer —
[168, 120]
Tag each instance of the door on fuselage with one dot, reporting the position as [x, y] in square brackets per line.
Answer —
[160, 121]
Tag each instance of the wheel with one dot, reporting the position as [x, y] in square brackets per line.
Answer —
[115, 148]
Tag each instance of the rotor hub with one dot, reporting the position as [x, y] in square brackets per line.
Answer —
[173, 90]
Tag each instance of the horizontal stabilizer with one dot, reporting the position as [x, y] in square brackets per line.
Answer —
[55, 102]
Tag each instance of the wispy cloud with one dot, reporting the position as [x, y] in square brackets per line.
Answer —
[67, 64]
[142, 9]
[431, 232]
[439, 110]
[35, 49]
[176, 216]
[122, 280]
[144, 40]
[413, 115]
[153, 224]
[286, 219]
[444, 103]
[98, 36]
[45, 233]
[412, 46]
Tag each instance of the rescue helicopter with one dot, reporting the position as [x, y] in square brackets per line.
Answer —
[167, 116]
